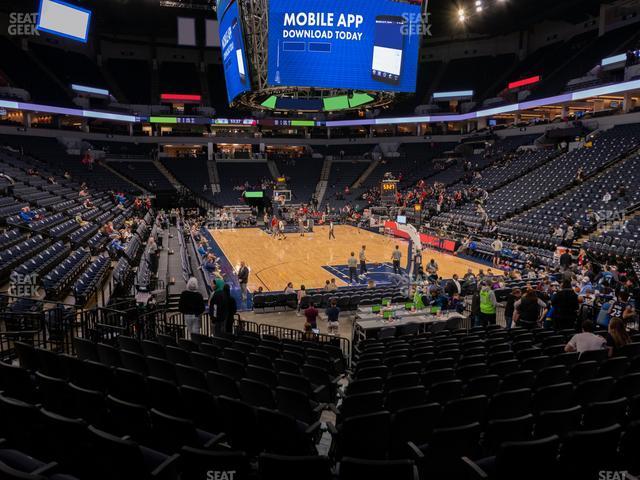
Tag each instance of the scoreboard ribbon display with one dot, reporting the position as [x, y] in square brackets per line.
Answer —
[352, 44]
[388, 190]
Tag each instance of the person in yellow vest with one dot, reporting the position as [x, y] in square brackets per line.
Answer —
[417, 299]
[488, 305]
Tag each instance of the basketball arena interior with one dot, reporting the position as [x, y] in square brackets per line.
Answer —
[221, 259]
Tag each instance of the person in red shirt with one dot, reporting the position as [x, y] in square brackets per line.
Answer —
[311, 315]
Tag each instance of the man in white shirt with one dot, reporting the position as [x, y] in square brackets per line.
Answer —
[586, 341]
[496, 245]
[363, 260]
[396, 255]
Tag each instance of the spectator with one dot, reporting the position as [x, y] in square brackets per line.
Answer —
[228, 309]
[488, 305]
[27, 215]
[218, 282]
[585, 341]
[209, 264]
[438, 300]
[243, 279]
[509, 309]
[309, 334]
[496, 246]
[191, 306]
[78, 219]
[333, 314]
[332, 285]
[116, 246]
[621, 308]
[153, 253]
[566, 260]
[453, 286]
[216, 300]
[475, 307]
[432, 267]
[565, 307]
[311, 314]
[529, 310]
[617, 336]
[301, 293]
[289, 288]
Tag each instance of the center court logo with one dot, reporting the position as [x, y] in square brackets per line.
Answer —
[23, 24]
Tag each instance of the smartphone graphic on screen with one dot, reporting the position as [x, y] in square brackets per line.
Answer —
[388, 44]
[238, 51]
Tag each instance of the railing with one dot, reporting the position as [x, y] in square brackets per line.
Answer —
[297, 335]
[184, 255]
[468, 317]
[54, 327]
[176, 326]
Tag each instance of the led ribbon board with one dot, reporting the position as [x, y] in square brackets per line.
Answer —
[180, 97]
[456, 95]
[616, 88]
[89, 90]
[524, 82]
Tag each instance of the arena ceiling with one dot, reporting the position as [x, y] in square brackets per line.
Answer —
[156, 18]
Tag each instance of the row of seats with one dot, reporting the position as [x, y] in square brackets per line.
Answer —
[15, 255]
[139, 443]
[347, 298]
[558, 174]
[44, 260]
[91, 279]
[61, 278]
[577, 203]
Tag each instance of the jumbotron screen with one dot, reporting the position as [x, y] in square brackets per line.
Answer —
[234, 59]
[350, 44]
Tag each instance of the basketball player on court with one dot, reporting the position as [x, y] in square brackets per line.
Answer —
[281, 234]
[331, 232]
[363, 261]
[396, 255]
[352, 263]
[301, 225]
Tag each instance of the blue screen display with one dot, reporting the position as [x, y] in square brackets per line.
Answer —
[234, 59]
[351, 44]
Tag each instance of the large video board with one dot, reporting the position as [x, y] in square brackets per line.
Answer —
[234, 59]
[349, 44]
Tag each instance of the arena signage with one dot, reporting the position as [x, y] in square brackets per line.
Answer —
[357, 44]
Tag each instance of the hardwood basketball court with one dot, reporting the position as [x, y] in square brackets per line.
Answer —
[301, 260]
